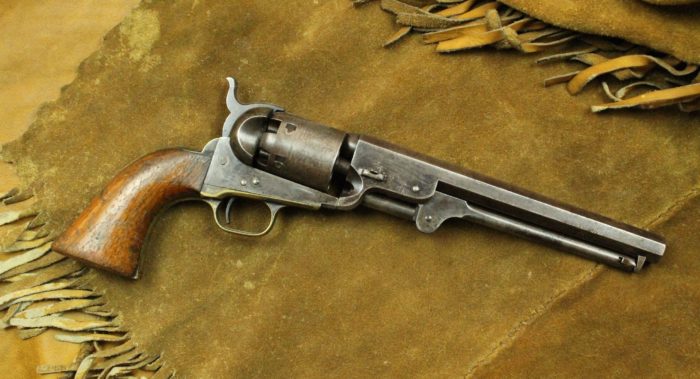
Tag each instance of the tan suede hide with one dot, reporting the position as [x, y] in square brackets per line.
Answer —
[673, 30]
[362, 294]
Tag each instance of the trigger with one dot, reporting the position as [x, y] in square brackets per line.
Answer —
[227, 212]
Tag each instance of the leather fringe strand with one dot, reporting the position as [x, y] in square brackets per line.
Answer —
[42, 290]
[647, 79]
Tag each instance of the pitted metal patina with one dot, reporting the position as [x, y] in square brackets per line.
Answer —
[284, 160]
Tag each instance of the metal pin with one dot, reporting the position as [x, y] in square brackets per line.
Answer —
[244, 182]
[372, 174]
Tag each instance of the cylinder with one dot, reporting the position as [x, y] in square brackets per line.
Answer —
[300, 150]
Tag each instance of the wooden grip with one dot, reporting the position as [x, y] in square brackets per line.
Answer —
[109, 234]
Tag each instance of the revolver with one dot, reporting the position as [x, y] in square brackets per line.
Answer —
[283, 160]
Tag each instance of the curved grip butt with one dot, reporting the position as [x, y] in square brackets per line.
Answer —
[109, 234]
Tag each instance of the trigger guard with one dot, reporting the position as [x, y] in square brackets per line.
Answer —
[274, 208]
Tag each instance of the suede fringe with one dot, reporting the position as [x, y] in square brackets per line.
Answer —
[645, 79]
[41, 290]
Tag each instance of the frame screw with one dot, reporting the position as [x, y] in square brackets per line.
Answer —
[428, 218]
[244, 182]
[256, 181]
[415, 188]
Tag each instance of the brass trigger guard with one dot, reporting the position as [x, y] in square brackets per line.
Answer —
[216, 207]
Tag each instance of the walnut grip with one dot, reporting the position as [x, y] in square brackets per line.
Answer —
[109, 234]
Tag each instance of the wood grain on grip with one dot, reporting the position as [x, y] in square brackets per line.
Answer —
[109, 234]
